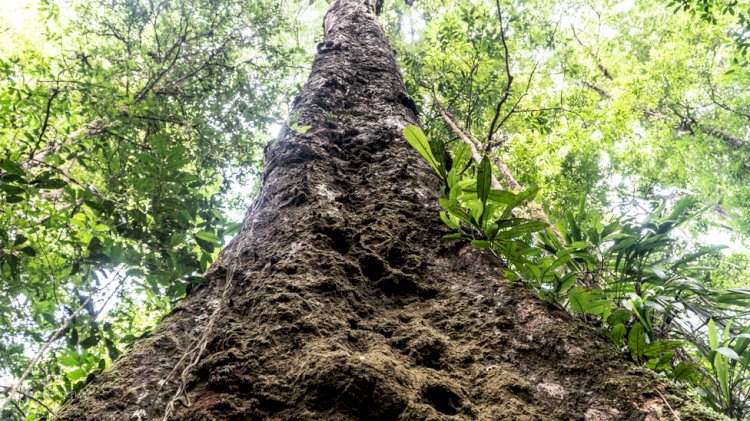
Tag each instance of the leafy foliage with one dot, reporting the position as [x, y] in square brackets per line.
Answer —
[614, 111]
[123, 126]
[627, 276]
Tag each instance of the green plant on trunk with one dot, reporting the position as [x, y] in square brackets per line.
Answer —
[632, 277]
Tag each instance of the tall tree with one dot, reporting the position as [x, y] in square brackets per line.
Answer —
[337, 300]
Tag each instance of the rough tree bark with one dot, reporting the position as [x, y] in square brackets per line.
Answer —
[338, 300]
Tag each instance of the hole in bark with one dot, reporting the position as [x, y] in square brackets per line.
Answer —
[298, 200]
[339, 239]
[428, 352]
[395, 257]
[325, 285]
[521, 391]
[270, 403]
[443, 399]
[393, 285]
[372, 267]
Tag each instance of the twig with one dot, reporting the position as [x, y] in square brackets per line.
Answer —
[677, 417]
[468, 140]
[563, 109]
[593, 87]
[599, 65]
[518, 101]
[27, 396]
[47, 113]
[509, 82]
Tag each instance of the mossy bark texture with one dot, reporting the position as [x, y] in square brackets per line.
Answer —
[338, 301]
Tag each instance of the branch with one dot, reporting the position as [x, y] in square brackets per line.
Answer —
[712, 92]
[92, 128]
[515, 105]
[534, 208]
[563, 109]
[467, 139]
[598, 90]
[595, 57]
[689, 124]
[52, 97]
[735, 141]
[14, 387]
[27, 396]
[70, 178]
[509, 83]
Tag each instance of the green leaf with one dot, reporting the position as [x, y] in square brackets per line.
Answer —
[448, 221]
[568, 282]
[461, 157]
[11, 167]
[618, 333]
[233, 228]
[620, 316]
[563, 259]
[68, 360]
[90, 341]
[501, 197]
[480, 244]
[208, 236]
[735, 296]
[484, 180]
[112, 350]
[511, 275]
[437, 147]
[20, 239]
[29, 251]
[455, 210]
[728, 352]
[659, 347]
[517, 200]
[52, 184]
[713, 338]
[684, 371]
[522, 229]
[11, 189]
[100, 228]
[697, 255]
[76, 374]
[637, 340]
[418, 141]
[680, 208]
[453, 236]
[578, 299]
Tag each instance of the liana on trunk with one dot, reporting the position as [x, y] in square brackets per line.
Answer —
[339, 301]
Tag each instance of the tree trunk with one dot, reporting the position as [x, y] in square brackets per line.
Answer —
[339, 301]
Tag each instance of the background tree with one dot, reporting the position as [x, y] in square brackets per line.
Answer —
[123, 125]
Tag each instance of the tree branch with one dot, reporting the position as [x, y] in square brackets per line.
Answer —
[509, 82]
